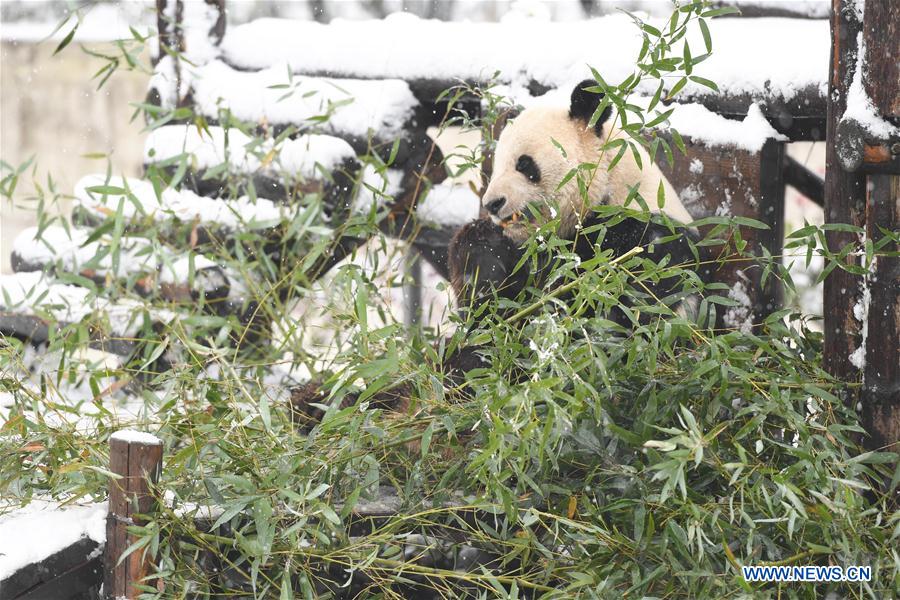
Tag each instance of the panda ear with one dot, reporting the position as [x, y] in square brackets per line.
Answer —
[584, 104]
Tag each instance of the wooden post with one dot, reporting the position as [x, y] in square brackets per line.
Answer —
[771, 212]
[880, 397]
[137, 458]
[845, 202]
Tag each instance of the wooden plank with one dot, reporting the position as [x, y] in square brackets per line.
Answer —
[880, 397]
[845, 202]
[728, 181]
[68, 573]
[138, 462]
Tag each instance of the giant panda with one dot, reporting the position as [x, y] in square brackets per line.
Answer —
[534, 153]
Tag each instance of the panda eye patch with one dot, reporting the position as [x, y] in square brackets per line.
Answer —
[527, 167]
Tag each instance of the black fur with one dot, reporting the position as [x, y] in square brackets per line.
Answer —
[584, 104]
[527, 167]
[481, 246]
[481, 257]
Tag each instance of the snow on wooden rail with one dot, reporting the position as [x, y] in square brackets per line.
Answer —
[344, 107]
[766, 58]
[101, 197]
[304, 157]
[31, 303]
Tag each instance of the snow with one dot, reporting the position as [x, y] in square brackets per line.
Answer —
[22, 292]
[449, 204]
[696, 166]
[181, 204]
[377, 188]
[710, 129]
[552, 53]
[811, 8]
[32, 533]
[191, 509]
[272, 95]
[68, 247]
[34, 292]
[859, 105]
[132, 436]
[179, 271]
[739, 317]
[104, 22]
[861, 313]
[300, 157]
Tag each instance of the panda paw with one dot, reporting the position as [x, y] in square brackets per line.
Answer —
[482, 258]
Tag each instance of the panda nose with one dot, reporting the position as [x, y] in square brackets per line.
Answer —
[495, 205]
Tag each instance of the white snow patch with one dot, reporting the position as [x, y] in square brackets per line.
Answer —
[739, 317]
[104, 22]
[300, 157]
[861, 313]
[132, 436]
[68, 247]
[859, 105]
[710, 129]
[818, 9]
[377, 188]
[272, 95]
[181, 204]
[191, 509]
[449, 204]
[34, 293]
[696, 166]
[551, 53]
[32, 533]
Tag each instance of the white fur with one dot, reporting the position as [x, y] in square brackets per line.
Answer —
[532, 133]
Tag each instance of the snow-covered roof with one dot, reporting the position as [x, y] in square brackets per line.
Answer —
[765, 57]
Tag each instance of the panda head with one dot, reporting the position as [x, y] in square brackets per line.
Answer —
[528, 165]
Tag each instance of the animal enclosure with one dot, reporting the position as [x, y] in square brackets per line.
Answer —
[288, 146]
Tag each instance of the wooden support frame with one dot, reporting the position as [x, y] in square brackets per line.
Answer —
[770, 296]
[803, 180]
[862, 313]
[136, 458]
[880, 396]
[845, 202]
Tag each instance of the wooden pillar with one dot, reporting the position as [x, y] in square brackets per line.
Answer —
[771, 212]
[880, 397]
[136, 458]
[845, 202]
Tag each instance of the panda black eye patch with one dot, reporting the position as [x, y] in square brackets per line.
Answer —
[527, 167]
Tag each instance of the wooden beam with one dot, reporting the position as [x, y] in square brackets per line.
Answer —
[137, 460]
[845, 202]
[803, 180]
[73, 572]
